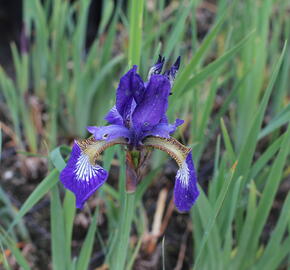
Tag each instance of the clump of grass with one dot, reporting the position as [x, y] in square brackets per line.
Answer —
[56, 67]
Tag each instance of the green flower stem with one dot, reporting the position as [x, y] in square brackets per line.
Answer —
[135, 38]
[124, 233]
[128, 206]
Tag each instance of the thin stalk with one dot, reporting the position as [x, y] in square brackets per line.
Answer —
[135, 40]
[124, 233]
[128, 200]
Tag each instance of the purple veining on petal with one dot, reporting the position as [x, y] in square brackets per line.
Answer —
[185, 189]
[131, 86]
[150, 111]
[81, 177]
[109, 133]
[113, 117]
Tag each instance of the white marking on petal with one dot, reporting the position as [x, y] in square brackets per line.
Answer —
[183, 175]
[86, 167]
[84, 170]
[151, 72]
[114, 110]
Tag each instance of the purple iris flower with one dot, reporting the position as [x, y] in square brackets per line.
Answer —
[139, 122]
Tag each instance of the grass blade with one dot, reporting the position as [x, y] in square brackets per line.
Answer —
[86, 251]
[46, 185]
[58, 241]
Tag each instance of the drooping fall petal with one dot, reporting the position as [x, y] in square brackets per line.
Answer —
[82, 175]
[185, 190]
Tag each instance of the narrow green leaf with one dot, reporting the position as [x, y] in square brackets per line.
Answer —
[3, 257]
[57, 159]
[178, 28]
[213, 218]
[278, 121]
[86, 251]
[272, 183]
[69, 211]
[265, 157]
[187, 72]
[135, 39]
[46, 184]
[11, 245]
[276, 235]
[121, 250]
[213, 67]
[248, 148]
[227, 140]
[58, 241]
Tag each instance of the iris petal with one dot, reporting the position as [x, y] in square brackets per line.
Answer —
[113, 117]
[109, 133]
[157, 68]
[81, 176]
[171, 73]
[163, 129]
[131, 86]
[185, 190]
[149, 112]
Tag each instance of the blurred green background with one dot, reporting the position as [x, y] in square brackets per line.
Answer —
[232, 90]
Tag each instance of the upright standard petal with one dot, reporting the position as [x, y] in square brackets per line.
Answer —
[82, 175]
[109, 133]
[185, 190]
[131, 86]
[151, 110]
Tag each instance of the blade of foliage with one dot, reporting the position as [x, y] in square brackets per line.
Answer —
[58, 245]
[39, 192]
[12, 246]
[214, 66]
[199, 54]
[135, 41]
[270, 189]
[86, 250]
